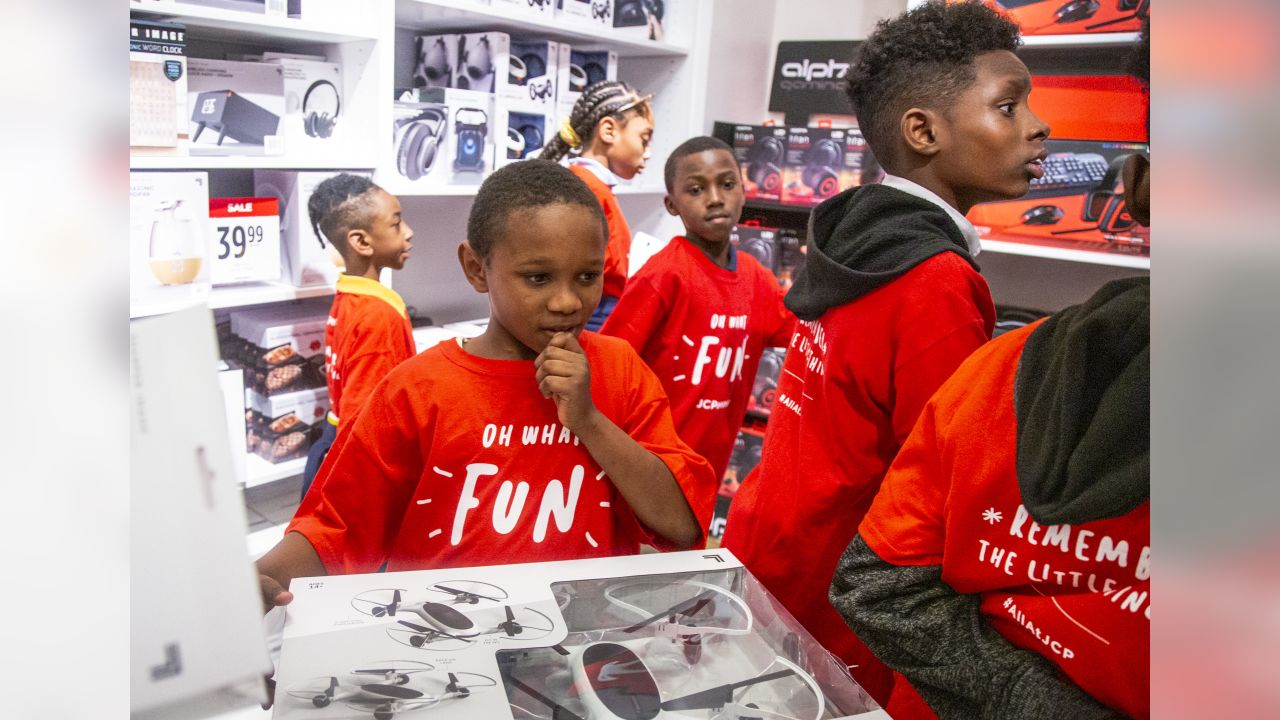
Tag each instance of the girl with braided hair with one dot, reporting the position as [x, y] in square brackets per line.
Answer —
[604, 139]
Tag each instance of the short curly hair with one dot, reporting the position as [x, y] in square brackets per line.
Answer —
[921, 58]
[525, 185]
[692, 146]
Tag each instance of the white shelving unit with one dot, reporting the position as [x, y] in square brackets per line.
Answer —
[1080, 256]
[1094, 40]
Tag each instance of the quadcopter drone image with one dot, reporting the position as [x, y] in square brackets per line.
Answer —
[386, 602]
[388, 688]
[438, 625]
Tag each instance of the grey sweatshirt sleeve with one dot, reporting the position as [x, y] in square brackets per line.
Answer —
[936, 637]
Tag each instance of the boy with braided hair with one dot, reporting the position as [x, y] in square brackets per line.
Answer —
[606, 138]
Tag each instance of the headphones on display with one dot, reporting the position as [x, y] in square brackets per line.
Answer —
[471, 135]
[523, 141]
[477, 64]
[320, 124]
[637, 12]
[577, 78]
[417, 140]
[523, 67]
[760, 248]
[601, 10]
[764, 163]
[539, 3]
[820, 162]
[433, 68]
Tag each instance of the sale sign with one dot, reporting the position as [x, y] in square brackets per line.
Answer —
[245, 235]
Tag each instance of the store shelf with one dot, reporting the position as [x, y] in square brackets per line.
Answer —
[260, 472]
[1081, 256]
[233, 25]
[237, 296]
[232, 162]
[457, 15]
[1081, 40]
[401, 188]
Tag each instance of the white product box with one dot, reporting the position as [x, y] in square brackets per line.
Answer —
[528, 128]
[641, 18]
[157, 85]
[579, 69]
[169, 256]
[308, 406]
[245, 237]
[313, 105]
[435, 57]
[664, 635]
[235, 107]
[446, 137]
[594, 12]
[482, 64]
[300, 328]
[305, 258]
[532, 73]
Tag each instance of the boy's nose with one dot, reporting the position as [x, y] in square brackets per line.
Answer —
[564, 300]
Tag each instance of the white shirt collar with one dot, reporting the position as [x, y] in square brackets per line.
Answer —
[967, 229]
[598, 169]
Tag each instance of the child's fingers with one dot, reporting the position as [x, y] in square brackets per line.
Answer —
[560, 368]
[556, 385]
[273, 593]
[561, 340]
[571, 343]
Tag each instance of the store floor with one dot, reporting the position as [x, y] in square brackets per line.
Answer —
[268, 508]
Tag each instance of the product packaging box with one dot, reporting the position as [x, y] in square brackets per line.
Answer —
[168, 239]
[235, 107]
[483, 60]
[313, 104]
[856, 156]
[532, 71]
[283, 348]
[758, 242]
[305, 258]
[593, 12]
[537, 8]
[280, 428]
[640, 17]
[529, 126]
[1040, 17]
[245, 235]
[745, 457]
[579, 69]
[760, 151]
[435, 57]
[791, 252]
[446, 136]
[157, 86]
[813, 165]
[765, 388]
[661, 635]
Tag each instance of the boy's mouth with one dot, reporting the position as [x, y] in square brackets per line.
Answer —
[1035, 165]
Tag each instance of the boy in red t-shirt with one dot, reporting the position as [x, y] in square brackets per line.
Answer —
[368, 332]
[699, 312]
[535, 441]
[889, 297]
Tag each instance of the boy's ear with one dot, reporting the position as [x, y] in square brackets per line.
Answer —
[473, 267]
[358, 241]
[922, 130]
[670, 205]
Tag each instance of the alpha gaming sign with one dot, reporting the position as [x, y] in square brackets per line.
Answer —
[809, 78]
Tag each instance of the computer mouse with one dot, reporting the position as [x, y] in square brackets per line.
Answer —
[1042, 215]
[1076, 10]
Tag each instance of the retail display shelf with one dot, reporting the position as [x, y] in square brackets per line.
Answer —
[1081, 256]
[1080, 40]
[221, 24]
[237, 296]
[457, 15]
[232, 162]
[404, 189]
[260, 472]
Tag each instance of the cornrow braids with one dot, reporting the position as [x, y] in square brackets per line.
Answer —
[339, 205]
[597, 102]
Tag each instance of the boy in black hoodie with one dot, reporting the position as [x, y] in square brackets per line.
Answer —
[1005, 566]
[889, 297]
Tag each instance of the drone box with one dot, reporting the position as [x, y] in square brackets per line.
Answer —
[529, 126]
[760, 151]
[483, 62]
[309, 406]
[579, 69]
[435, 57]
[169, 257]
[685, 634]
[313, 105]
[532, 72]
[235, 107]
[157, 86]
[814, 164]
[305, 259]
[592, 12]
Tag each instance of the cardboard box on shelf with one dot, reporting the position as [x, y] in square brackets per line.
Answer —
[814, 163]
[313, 104]
[446, 136]
[157, 85]
[532, 72]
[435, 57]
[745, 457]
[235, 107]
[580, 69]
[760, 151]
[529, 127]
[483, 60]
[169, 252]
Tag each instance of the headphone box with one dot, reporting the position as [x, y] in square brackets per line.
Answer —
[157, 85]
[760, 151]
[543, 8]
[235, 107]
[760, 243]
[532, 71]
[579, 69]
[482, 62]
[592, 12]
[169, 255]
[527, 125]
[856, 158]
[313, 104]
[640, 18]
[445, 136]
[305, 259]
[434, 59]
[813, 165]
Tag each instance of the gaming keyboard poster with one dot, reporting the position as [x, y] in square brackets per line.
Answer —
[1074, 17]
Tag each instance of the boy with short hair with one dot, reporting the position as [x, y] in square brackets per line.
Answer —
[535, 441]
[699, 312]
[889, 297]
[368, 332]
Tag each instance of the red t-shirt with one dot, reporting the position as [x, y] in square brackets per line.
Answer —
[619, 248]
[1078, 595]
[457, 460]
[367, 335]
[702, 329]
[851, 387]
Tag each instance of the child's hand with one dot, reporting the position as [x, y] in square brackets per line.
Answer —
[272, 593]
[564, 375]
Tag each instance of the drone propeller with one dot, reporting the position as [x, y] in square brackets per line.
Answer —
[387, 610]
[465, 595]
[687, 607]
[453, 688]
[720, 695]
[427, 634]
[510, 627]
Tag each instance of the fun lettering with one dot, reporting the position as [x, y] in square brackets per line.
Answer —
[727, 361]
[556, 504]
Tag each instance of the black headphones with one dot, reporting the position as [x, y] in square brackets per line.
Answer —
[523, 141]
[417, 140]
[471, 135]
[477, 64]
[595, 73]
[601, 10]
[764, 160]
[820, 163]
[320, 124]
[433, 69]
[761, 248]
[539, 3]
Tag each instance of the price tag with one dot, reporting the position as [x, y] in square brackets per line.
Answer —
[245, 238]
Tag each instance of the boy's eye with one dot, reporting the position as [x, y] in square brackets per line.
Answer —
[1007, 107]
[538, 278]
[730, 184]
[693, 190]
[588, 277]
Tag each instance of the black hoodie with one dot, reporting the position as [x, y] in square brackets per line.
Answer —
[862, 239]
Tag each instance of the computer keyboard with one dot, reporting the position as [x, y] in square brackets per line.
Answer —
[1068, 173]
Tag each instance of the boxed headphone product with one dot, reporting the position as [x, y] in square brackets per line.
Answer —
[765, 388]
[760, 151]
[312, 103]
[640, 17]
[791, 252]
[745, 457]
[856, 154]
[1071, 17]
[305, 258]
[659, 635]
[168, 238]
[235, 107]
[527, 7]
[532, 71]
[445, 136]
[528, 127]
[435, 57]
[157, 84]
[482, 62]
[813, 166]
[579, 69]
[758, 242]
[594, 12]
[245, 235]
